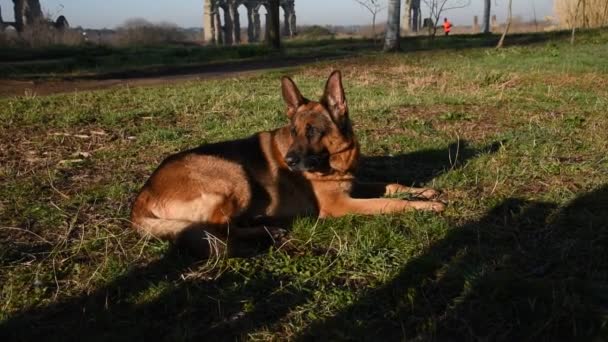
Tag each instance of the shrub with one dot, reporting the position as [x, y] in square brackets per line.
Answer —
[140, 32]
[314, 32]
[43, 34]
[591, 13]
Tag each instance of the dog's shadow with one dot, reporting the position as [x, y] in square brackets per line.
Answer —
[420, 167]
[178, 308]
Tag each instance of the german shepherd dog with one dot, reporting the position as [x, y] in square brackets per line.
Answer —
[218, 194]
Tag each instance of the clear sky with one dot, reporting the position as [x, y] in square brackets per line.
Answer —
[110, 13]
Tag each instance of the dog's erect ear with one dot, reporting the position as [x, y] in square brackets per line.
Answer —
[292, 96]
[334, 98]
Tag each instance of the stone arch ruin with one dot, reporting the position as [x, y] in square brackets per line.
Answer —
[412, 17]
[28, 12]
[222, 22]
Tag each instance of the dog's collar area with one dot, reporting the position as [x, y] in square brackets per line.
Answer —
[348, 147]
[332, 176]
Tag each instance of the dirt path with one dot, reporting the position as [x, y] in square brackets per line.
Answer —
[149, 77]
[11, 88]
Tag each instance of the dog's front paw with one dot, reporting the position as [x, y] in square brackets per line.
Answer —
[282, 241]
[437, 206]
[279, 236]
[428, 193]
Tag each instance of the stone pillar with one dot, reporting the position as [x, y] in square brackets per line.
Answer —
[27, 12]
[273, 24]
[208, 24]
[286, 22]
[257, 26]
[267, 24]
[417, 16]
[475, 24]
[218, 30]
[236, 23]
[34, 11]
[19, 8]
[416, 19]
[487, 10]
[407, 17]
[250, 25]
[228, 27]
[292, 24]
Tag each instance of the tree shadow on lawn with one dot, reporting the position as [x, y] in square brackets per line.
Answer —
[153, 302]
[481, 40]
[526, 271]
[171, 308]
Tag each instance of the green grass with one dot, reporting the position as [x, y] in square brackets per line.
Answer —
[94, 61]
[515, 138]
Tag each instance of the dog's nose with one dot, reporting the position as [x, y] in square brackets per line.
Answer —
[292, 160]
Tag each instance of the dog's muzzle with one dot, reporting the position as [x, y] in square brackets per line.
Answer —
[311, 162]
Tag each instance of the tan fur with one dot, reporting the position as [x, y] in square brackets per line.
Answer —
[227, 189]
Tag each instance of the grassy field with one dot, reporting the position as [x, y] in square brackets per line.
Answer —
[101, 62]
[516, 139]
[92, 61]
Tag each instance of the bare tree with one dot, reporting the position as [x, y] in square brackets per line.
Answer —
[501, 42]
[438, 7]
[393, 27]
[374, 7]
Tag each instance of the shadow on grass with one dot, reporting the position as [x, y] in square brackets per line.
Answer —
[201, 308]
[469, 41]
[526, 271]
[211, 308]
[420, 167]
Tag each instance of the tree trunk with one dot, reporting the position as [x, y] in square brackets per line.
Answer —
[434, 29]
[501, 42]
[274, 29]
[487, 11]
[374, 28]
[391, 39]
